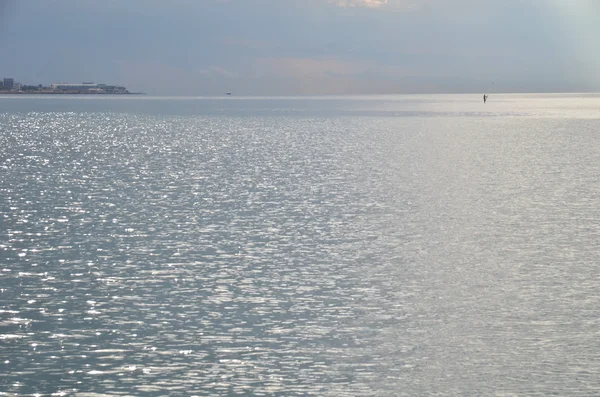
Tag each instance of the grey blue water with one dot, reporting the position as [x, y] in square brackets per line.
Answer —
[333, 246]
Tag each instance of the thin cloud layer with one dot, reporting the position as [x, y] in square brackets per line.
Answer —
[264, 47]
[360, 3]
[387, 4]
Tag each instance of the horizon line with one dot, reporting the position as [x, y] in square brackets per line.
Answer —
[249, 96]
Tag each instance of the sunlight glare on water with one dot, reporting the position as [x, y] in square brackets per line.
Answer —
[384, 246]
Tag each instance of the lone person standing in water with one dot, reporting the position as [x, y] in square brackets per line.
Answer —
[484, 98]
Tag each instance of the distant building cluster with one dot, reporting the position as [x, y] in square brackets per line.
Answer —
[90, 88]
[8, 85]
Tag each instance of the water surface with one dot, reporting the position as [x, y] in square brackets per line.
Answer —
[333, 246]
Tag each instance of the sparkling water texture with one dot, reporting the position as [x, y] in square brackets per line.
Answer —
[349, 246]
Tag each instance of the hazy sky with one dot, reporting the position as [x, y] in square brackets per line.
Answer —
[280, 47]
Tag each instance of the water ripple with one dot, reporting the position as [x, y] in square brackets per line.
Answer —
[205, 255]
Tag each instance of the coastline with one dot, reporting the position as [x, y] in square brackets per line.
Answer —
[67, 93]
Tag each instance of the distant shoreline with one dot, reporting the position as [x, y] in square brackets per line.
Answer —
[66, 93]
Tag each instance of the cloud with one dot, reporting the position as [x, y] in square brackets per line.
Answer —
[360, 3]
[217, 71]
[309, 68]
[247, 43]
[405, 5]
[302, 69]
[332, 76]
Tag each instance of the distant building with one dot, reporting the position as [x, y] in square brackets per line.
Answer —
[8, 83]
[90, 88]
[74, 87]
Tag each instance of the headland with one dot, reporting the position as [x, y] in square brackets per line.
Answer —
[9, 86]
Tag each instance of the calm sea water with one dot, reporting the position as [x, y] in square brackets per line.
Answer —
[358, 246]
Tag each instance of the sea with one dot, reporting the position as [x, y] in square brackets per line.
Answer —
[409, 245]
